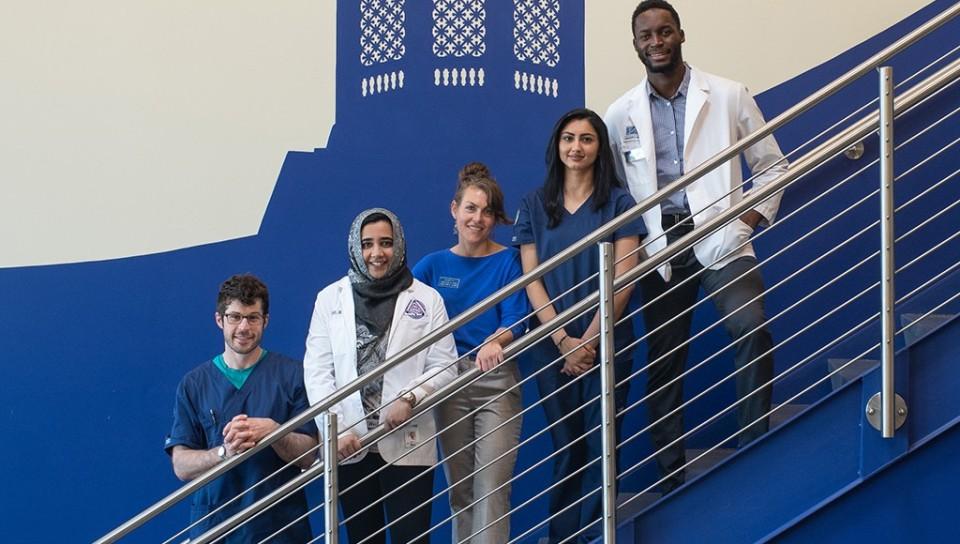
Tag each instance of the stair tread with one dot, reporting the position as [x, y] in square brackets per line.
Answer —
[709, 460]
[784, 412]
[637, 504]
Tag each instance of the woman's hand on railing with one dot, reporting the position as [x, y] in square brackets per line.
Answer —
[579, 360]
[347, 444]
[490, 355]
[397, 413]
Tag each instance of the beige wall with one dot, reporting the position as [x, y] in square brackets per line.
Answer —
[760, 42]
[136, 127]
[131, 127]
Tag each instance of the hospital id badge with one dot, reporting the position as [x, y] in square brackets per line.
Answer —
[635, 154]
[411, 436]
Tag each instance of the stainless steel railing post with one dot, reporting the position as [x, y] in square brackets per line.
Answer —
[886, 254]
[608, 383]
[331, 489]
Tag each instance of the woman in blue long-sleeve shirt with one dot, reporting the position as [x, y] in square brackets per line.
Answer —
[479, 459]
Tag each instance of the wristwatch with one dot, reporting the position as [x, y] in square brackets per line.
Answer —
[222, 452]
[410, 398]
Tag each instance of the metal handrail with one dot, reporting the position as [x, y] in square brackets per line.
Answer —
[809, 161]
[806, 235]
[828, 149]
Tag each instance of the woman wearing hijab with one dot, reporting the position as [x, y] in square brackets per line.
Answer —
[359, 322]
[481, 423]
[581, 192]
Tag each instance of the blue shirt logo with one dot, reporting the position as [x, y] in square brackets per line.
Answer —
[448, 282]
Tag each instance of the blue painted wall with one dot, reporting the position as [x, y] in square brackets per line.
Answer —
[93, 351]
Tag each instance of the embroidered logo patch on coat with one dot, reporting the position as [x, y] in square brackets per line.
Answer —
[415, 309]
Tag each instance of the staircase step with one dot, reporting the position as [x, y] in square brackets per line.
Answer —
[637, 504]
[784, 412]
[923, 325]
[851, 372]
[705, 463]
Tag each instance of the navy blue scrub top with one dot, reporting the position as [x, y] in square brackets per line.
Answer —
[531, 228]
[206, 402]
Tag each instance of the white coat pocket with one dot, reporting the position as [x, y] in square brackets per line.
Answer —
[736, 238]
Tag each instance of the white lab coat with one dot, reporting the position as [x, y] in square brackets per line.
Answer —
[719, 112]
[330, 363]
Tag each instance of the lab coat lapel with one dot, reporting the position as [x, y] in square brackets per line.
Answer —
[698, 93]
[392, 338]
[347, 343]
[639, 113]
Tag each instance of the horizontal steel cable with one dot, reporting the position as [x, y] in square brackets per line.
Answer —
[576, 348]
[782, 119]
[849, 332]
[779, 252]
[899, 239]
[520, 414]
[768, 290]
[791, 399]
[775, 347]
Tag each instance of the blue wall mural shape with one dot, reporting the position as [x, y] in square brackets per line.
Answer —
[93, 351]
[96, 349]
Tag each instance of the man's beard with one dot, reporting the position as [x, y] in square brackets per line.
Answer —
[674, 63]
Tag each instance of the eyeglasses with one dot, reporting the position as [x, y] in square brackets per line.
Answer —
[234, 318]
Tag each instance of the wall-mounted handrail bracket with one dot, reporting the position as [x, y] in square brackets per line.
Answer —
[873, 412]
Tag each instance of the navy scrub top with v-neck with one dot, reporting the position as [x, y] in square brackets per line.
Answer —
[531, 228]
[206, 402]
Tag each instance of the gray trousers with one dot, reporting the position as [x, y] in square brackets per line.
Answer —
[746, 327]
[478, 455]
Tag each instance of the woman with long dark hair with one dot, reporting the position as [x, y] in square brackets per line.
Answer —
[358, 322]
[581, 192]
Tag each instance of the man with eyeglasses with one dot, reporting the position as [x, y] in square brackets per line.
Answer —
[226, 406]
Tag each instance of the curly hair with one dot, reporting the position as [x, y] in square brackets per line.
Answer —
[245, 288]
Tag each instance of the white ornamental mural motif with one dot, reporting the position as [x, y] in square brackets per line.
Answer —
[459, 28]
[381, 31]
[536, 31]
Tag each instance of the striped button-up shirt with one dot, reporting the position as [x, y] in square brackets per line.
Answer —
[667, 116]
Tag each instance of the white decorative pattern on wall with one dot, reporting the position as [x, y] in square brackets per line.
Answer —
[459, 28]
[536, 31]
[535, 84]
[381, 83]
[459, 77]
[382, 31]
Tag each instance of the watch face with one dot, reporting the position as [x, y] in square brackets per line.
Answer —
[222, 452]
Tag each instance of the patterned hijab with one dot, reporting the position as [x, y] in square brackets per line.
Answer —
[375, 299]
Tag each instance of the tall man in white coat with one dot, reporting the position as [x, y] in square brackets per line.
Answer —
[674, 120]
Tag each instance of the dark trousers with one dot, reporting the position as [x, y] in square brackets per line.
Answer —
[413, 486]
[586, 392]
[752, 348]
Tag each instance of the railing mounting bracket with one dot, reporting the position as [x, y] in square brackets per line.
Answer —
[873, 411]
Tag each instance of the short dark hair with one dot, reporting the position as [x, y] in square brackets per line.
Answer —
[653, 4]
[604, 171]
[476, 174]
[245, 288]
